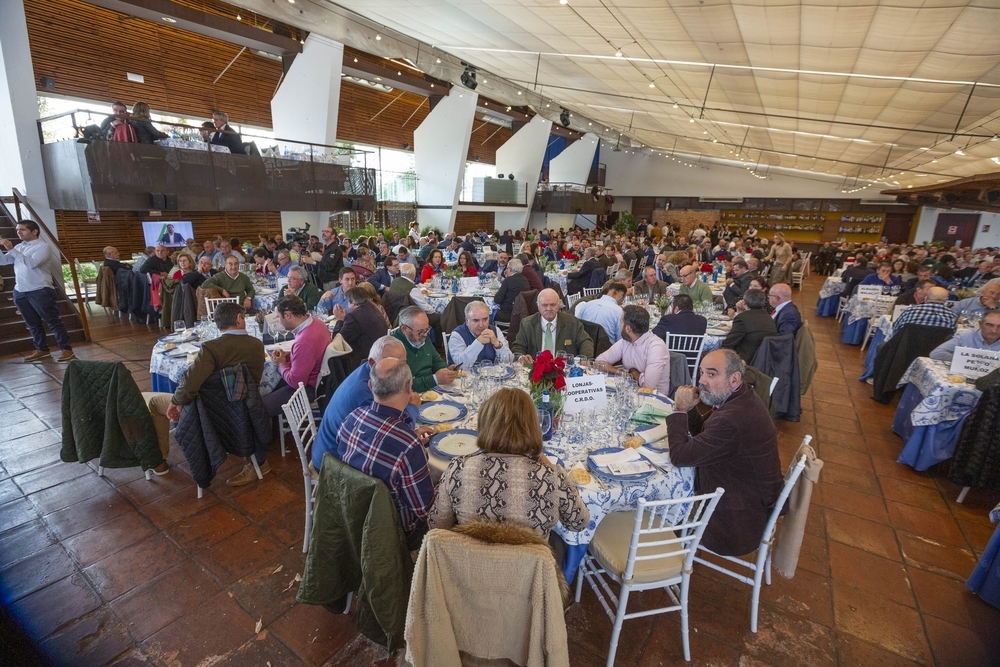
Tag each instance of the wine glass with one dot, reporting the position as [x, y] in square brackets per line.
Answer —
[544, 420]
[180, 327]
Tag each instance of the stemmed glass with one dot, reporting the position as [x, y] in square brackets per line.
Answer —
[544, 420]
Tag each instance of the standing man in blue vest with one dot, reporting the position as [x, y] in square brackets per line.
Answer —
[474, 341]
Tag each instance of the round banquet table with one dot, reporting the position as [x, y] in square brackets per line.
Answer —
[931, 413]
[829, 297]
[613, 495]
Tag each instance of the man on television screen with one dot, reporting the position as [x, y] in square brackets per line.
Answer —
[170, 237]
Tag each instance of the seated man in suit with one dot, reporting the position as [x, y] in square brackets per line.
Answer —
[225, 135]
[738, 283]
[734, 447]
[497, 266]
[751, 327]
[299, 285]
[383, 277]
[233, 347]
[577, 280]
[786, 314]
[513, 284]
[986, 337]
[650, 287]
[682, 320]
[552, 330]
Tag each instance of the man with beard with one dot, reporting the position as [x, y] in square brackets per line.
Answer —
[734, 446]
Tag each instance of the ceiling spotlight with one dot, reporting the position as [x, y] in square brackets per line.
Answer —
[652, 85]
[690, 120]
[618, 53]
[546, 105]
[400, 73]
[355, 60]
[469, 77]
[484, 81]
[508, 107]
[519, 92]
[715, 141]
[564, 117]
[169, 20]
[378, 37]
[438, 61]
[291, 2]
[238, 17]
[432, 85]
[563, 2]
[959, 152]
[675, 105]
[993, 138]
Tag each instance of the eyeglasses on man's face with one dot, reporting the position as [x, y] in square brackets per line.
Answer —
[419, 332]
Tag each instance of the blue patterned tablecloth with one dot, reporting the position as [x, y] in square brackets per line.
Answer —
[943, 400]
[557, 278]
[861, 309]
[618, 496]
[265, 302]
[831, 287]
[192, 144]
[439, 303]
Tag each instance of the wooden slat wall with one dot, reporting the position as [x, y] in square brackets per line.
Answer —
[470, 221]
[88, 50]
[124, 229]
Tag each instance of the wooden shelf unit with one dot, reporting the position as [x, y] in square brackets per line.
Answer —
[810, 226]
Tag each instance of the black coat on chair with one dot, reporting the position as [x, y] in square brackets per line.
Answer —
[977, 455]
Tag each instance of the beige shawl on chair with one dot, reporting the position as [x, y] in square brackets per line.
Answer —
[786, 552]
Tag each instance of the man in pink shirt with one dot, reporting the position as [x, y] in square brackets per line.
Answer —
[644, 355]
[303, 363]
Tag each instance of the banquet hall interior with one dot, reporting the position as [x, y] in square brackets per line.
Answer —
[853, 130]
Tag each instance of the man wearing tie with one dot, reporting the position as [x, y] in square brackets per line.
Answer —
[225, 135]
[552, 330]
[661, 269]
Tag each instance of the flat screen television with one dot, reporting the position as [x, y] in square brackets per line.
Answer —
[170, 233]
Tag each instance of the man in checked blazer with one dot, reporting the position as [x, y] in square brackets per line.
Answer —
[568, 334]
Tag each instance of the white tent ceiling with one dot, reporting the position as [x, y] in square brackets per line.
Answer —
[903, 91]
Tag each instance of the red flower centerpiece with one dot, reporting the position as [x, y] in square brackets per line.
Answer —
[547, 374]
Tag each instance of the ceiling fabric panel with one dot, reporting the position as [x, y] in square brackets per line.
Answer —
[831, 86]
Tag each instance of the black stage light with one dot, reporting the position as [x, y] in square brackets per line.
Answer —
[469, 77]
[564, 118]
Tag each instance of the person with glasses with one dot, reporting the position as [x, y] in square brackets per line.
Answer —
[429, 369]
[694, 288]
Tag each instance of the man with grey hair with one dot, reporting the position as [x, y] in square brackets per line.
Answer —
[734, 446]
[429, 369]
[406, 279]
[623, 276]
[475, 341]
[225, 135]
[299, 285]
[751, 327]
[353, 393]
[285, 263]
[379, 440]
[513, 284]
[933, 312]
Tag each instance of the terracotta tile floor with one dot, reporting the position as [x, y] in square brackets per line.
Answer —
[124, 571]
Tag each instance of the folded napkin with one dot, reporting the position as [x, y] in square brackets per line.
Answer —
[621, 456]
[658, 432]
[186, 348]
[659, 458]
[649, 413]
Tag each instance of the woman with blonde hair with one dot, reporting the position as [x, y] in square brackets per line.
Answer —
[510, 479]
[144, 129]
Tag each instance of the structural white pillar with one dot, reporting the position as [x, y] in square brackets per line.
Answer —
[305, 109]
[20, 147]
[572, 166]
[440, 149]
[522, 155]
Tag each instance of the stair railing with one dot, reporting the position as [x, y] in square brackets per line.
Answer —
[20, 200]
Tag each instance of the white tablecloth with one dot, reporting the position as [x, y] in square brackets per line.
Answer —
[860, 309]
[717, 288]
[831, 287]
[943, 400]
[600, 501]
[191, 144]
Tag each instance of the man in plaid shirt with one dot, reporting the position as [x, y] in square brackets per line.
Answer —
[379, 440]
[933, 312]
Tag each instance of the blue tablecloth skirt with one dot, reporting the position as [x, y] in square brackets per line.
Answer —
[162, 383]
[854, 334]
[877, 339]
[828, 307]
[985, 579]
[924, 446]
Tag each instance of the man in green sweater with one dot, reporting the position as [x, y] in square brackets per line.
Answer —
[232, 283]
[694, 288]
[299, 285]
[428, 368]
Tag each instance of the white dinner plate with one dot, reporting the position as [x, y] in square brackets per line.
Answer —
[441, 412]
[459, 442]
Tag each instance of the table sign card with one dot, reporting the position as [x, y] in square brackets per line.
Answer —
[866, 292]
[896, 311]
[973, 363]
[272, 322]
[468, 284]
[587, 392]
